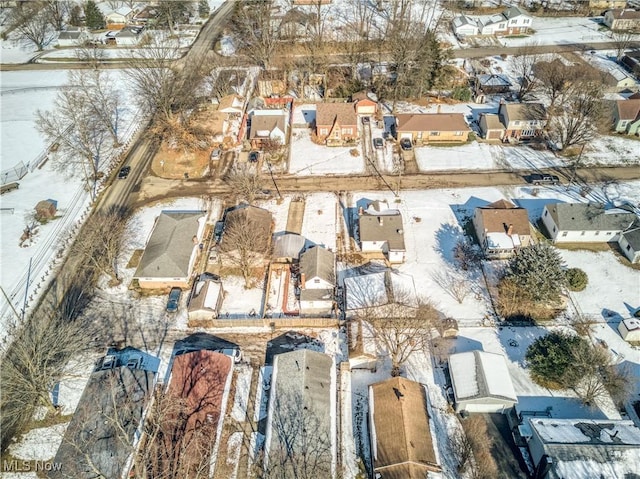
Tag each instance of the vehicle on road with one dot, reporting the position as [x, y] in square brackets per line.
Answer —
[124, 172]
[541, 179]
[174, 300]
[253, 156]
[405, 144]
[378, 143]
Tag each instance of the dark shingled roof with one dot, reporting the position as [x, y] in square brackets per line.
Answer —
[588, 217]
[318, 262]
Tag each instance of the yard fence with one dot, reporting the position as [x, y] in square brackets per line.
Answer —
[15, 173]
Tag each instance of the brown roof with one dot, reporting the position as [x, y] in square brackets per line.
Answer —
[524, 111]
[403, 446]
[492, 121]
[431, 122]
[498, 216]
[263, 125]
[628, 109]
[329, 113]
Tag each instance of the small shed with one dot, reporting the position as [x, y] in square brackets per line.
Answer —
[629, 243]
[365, 105]
[629, 329]
[481, 382]
[205, 300]
[449, 328]
[287, 247]
[46, 209]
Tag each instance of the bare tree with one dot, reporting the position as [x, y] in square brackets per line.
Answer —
[453, 284]
[256, 30]
[622, 39]
[245, 242]
[523, 65]
[170, 13]
[245, 181]
[58, 11]
[32, 22]
[100, 244]
[466, 255]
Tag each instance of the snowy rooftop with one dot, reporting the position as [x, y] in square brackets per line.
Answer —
[502, 240]
[478, 374]
[579, 431]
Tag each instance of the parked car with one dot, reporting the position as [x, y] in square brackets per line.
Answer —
[378, 143]
[540, 179]
[174, 300]
[253, 156]
[215, 154]
[366, 120]
[124, 172]
[405, 144]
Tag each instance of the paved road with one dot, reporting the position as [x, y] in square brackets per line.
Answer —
[154, 188]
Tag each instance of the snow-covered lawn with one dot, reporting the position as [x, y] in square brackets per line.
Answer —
[243, 384]
[308, 158]
[39, 444]
[319, 222]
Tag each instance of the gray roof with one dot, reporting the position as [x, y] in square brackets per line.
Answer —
[288, 245]
[633, 238]
[70, 35]
[383, 228]
[588, 217]
[480, 375]
[493, 80]
[512, 12]
[169, 249]
[301, 389]
[96, 433]
[316, 295]
[318, 262]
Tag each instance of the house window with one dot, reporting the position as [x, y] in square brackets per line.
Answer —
[546, 212]
[597, 233]
[623, 123]
[513, 21]
[324, 131]
[458, 133]
[608, 233]
[502, 26]
[628, 247]
[516, 123]
[528, 132]
[316, 280]
[348, 131]
[582, 233]
[526, 21]
[434, 133]
[564, 233]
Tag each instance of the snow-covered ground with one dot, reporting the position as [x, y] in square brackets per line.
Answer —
[308, 158]
[319, 222]
[39, 444]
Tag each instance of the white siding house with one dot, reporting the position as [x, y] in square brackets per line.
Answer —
[629, 329]
[585, 222]
[317, 282]
[381, 231]
[629, 243]
[464, 26]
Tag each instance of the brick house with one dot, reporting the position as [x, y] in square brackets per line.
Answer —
[336, 123]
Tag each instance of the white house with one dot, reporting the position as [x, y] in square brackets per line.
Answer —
[629, 243]
[381, 230]
[629, 329]
[129, 36]
[317, 281]
[72, 38]
[585, 222]
[464, 26]
[512, 21]
[119, 18]
[481, 382]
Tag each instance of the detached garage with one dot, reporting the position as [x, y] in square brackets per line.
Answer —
[481, 382]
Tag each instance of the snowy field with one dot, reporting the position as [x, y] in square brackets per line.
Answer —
[308, 158]
[319, 222]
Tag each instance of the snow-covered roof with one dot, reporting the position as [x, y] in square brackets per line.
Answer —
[580, 431]
[502, 241]
[478, 374]
[631, 324]
[205, 295]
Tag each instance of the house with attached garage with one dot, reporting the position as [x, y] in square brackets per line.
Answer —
[512, 21]
[464, 26]
[502, 228]
[582, 448]
[117, 19]
[481, 382]
[336, 123]
[171, 251]
[629, 243]
[626, 116]
[381, 230]
[399, 430]
[522, 121]
[585, 222]
[317, 281]
[425, 128]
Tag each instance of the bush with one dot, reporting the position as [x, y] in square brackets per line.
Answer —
[461, 93]
[550, 359]
[577, 279]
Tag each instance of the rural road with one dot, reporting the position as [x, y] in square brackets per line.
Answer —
[154, 188]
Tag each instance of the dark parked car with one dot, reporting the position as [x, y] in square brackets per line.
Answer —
[540, 179]
[405, 144]
[124, 172]
[253, 156]
[378, 143]
[365, 120]
[174, 300]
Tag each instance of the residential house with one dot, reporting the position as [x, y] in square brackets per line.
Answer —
[145, 16]
[464, 26]
[629, 329]
[197, 390]
[602, 5]
[579, 448]
[205, 300]
[287, 247]
[491, 84]
[244, 217]
[365, 106]
[631, 61]
[73, 38]
[269, 125]
[491, 127]
[119, 18]
[232, 105]
[401, 442]
[617, 79]
[380, 291]
[381, 230]
[126, 37]
[425, 128]
[629, 243]
[622, 19]
[481, 382]
[502, 228]
[299, 424]
[522, 121]
[585, 222]
[170, 254]
[317, 282]
[106, 426]
[626, 116]
[336, 123]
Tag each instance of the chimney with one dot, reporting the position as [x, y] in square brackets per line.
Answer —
[510, 230]
[303, 280]
[438, 108]
[360, 211]
[380, 221]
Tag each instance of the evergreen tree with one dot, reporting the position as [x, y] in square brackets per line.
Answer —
[93, 16]
[203, 9]
[538, 271]
[550, 359]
